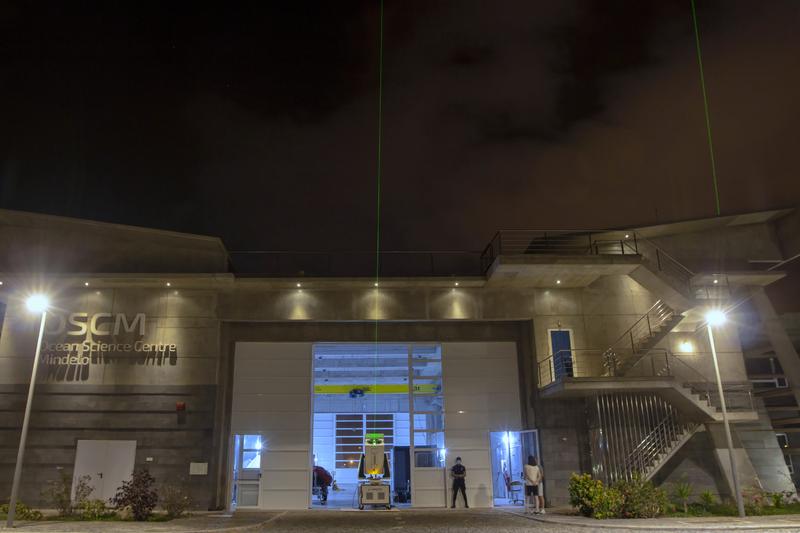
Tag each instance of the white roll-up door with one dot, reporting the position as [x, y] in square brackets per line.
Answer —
[272, 398]
[481, 394]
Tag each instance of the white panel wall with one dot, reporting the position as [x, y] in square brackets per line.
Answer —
[272, 398]
[481, 394]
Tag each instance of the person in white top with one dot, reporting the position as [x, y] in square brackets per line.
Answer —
[533, 475]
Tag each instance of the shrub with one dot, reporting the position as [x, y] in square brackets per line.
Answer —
[707, 499]
[755, 499]
[94, 509]
[58, 492]
[139, 494]
[641, 499]
[174, 500]
[682, 492]
[625, 499]
[608, 503]
[23, 512]
[583, 491]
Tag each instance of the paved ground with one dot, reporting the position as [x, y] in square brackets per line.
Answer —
[434, 521]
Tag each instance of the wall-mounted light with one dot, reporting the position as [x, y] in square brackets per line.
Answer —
[299, 285]
[375, 284]
[627, 235]
[558, 282]
[716, 281]
[169, 284]
[85, 283]
[686, 346]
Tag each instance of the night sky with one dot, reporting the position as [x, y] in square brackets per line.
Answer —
[257, 122]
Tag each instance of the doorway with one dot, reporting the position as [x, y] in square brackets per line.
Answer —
[560, 341]
[246, 486]
[509, 454]
[107, 463]
[391, 389]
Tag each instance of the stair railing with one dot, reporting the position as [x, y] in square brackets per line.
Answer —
[634, 337]
[665, 263]
[632, 430]
[659, 441]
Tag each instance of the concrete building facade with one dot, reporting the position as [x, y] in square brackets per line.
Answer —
[587, 349]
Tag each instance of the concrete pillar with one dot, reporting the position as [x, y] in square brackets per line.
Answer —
[781, 343]
[747, 473]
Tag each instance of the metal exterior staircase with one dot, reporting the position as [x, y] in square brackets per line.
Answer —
[636, 434]
[635, 342]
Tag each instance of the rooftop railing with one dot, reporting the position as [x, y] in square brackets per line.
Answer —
[440, 263]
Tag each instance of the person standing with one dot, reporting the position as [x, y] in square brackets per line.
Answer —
[459, 475]
[533, 477]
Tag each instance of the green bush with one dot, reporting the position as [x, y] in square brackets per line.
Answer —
[138, 494]
[583, 491]
[682, 492]
[707, 499]
[641, 499]
[755, 499]
[58, 493]
[625, 499]
[174, 500]
[608, 503]
[23, 512]
[94, 510]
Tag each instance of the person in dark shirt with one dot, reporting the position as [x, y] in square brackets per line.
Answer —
[459, 474]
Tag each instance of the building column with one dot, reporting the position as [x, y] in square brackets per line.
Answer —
[781, 343]
[747, 473]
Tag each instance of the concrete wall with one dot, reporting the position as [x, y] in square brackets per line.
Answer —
[42, 243]
[129, 395]
[723, 248]
[270, 311]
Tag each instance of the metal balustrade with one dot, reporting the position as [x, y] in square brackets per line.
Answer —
[632, 433]
[582, 242]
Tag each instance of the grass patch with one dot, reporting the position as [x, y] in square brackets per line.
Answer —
[723, 509]
[109, 518]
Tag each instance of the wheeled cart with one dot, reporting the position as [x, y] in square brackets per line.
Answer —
[374, 493]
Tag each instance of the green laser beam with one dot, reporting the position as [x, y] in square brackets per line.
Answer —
[705, 107]
[378, 195]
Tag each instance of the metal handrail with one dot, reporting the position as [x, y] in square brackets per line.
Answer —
[555, 242]
[664, 312]
[663, 363]
[355, 263]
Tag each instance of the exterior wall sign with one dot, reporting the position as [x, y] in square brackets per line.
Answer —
[81, 339]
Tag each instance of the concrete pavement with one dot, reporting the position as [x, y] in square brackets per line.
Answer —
[429, 521]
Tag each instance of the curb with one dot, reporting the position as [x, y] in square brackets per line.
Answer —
[698, 526]
[243, 527]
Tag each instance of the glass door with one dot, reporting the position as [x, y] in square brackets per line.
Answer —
[246, 471]
[426, 415]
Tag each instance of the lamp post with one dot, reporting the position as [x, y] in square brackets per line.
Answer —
[37, 303]
[717, 318]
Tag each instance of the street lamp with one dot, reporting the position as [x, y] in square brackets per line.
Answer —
[717, 317]
[37, 303]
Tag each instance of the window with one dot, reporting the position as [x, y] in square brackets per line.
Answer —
[251, 452]
[789, 464]
[770, 383]
[350, 431]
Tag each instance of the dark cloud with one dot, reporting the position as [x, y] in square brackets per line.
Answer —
[257, 122]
